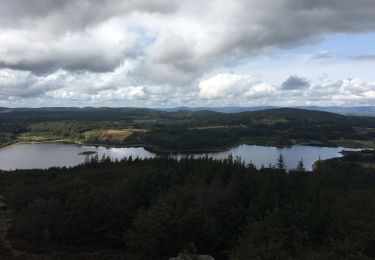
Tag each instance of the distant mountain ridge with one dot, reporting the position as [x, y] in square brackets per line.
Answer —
[357, 110]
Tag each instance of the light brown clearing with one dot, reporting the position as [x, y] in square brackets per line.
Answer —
[115, 135]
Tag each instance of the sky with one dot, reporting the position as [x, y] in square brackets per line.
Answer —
[168, 53]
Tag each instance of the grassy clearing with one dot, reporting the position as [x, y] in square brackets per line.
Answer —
[36, 137]
[111, 135]
[270, 121]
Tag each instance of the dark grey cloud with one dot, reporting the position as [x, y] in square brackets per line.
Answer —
[231, 29]
[49, 64]
[72, 15]
[295, 83]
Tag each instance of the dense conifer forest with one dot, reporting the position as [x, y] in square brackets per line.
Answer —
[158, 208]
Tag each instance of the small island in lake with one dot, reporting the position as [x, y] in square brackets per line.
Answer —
[88, 153]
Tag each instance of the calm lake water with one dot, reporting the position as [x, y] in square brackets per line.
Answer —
[29, 156]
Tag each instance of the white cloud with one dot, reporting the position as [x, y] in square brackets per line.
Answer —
[222, 89]
[100, 48]
[245, 90]
[76, 50]
[225, 85]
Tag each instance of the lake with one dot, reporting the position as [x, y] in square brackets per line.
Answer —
[45, 155]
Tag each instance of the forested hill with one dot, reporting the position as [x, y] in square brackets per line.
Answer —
[74, 112]
[296, 114]
[357, 110]
[184, 130]
[108, 113]
[157, 208]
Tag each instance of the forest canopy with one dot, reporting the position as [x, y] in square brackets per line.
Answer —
[158, 208]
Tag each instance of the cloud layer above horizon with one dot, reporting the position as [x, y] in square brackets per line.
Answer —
[160, 53]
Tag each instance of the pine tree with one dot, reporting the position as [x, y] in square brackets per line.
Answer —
[280, 165]
[301, 166]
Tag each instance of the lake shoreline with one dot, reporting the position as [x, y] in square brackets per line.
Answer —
[159, 150]
[63, 154]
[39, 142]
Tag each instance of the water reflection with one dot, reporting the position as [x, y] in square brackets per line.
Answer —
[28, 156]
